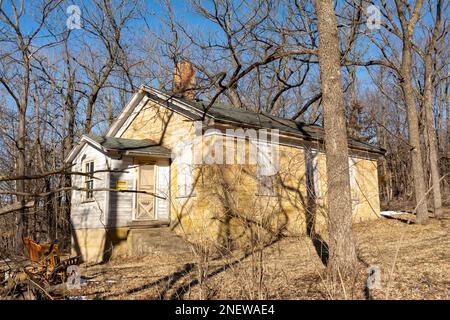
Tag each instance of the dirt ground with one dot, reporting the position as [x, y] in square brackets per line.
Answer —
[414, 263]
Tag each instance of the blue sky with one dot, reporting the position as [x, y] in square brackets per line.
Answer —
[184, 14]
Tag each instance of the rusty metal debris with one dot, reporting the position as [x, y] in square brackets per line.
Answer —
[42, 276]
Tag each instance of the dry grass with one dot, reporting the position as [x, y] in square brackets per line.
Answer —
[290, 269]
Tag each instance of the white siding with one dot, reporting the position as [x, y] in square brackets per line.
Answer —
[120, 203]
[89, 214]
[114, 209]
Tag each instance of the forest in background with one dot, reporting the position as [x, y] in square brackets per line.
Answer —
[58, 81]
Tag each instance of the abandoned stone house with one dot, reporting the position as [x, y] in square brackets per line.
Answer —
[141, 189]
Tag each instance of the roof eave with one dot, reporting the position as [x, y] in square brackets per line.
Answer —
[75, 150]
[118, 123]
[148, 154]
[375, 150]
[84, 139]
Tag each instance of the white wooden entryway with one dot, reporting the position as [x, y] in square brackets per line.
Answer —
[145, 203]
[152, 178]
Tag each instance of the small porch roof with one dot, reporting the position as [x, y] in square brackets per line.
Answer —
[131, 147]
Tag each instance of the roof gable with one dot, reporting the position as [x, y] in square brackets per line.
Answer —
[131, 111]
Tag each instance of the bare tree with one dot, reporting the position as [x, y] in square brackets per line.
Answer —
[408, 26]
[430, 132]
[342, 254]
[105, 22]
[16, 76]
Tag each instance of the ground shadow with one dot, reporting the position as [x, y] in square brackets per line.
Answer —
[170, 280]
[183, 289]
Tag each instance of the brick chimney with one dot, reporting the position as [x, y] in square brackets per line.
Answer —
[184, 80]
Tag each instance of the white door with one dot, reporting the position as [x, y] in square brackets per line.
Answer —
[145, 202]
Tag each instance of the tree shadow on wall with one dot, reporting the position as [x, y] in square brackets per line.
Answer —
[310, 205]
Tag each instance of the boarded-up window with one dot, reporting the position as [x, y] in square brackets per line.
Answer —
[316, 174]
[185, 179]
[266, 170]
[89, 168]
[353, 183]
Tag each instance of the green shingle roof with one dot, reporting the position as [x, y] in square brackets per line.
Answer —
[131, 145]
[264, 120]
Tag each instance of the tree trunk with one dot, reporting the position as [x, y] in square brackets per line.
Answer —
[342, 255]
[414, 136]
[408, 22]
[20, 184]
[441, 125]
[69, 144]
[431, 137]
[430, 133]
[385, 175]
